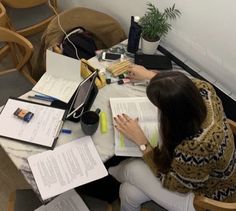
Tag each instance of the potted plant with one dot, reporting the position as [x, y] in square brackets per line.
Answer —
[154, 25]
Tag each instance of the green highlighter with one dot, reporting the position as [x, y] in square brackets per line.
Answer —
[103, 122]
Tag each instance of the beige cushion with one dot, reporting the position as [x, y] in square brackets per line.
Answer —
[106, 30]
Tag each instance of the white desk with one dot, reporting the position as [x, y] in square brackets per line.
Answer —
[18, 152]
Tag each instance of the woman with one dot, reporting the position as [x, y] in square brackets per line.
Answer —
[196, 153]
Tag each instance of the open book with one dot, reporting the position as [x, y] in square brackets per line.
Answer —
[146, 112]
[66, 167]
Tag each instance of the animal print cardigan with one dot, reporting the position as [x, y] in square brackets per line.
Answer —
[205, 163]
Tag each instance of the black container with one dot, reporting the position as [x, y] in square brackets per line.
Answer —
[134, 35]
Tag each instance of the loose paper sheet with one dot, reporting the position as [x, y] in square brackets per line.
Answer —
[66, 167]
[61, 78]
[68, 201]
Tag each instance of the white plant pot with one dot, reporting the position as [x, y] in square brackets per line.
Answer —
[149, 47]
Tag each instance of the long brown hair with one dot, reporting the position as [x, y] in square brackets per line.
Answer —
[181, 109]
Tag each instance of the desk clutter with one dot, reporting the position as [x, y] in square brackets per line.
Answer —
[69, 88]
[119, 67]
[87, 69]
[155, 61]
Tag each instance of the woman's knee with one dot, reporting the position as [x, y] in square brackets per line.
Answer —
[134, 167]
[124, 191]
[129, 194]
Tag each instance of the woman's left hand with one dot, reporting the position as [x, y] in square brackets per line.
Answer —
[130, 128]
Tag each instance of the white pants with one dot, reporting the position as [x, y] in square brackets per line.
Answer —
[139, 184]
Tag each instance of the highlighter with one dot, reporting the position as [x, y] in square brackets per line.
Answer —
[103, 122]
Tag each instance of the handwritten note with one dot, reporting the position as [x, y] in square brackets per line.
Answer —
[61, 78]
[41, 129]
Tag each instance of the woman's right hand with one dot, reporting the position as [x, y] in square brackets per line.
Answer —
[138, 72]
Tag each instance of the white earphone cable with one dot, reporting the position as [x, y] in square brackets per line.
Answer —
[59, 23]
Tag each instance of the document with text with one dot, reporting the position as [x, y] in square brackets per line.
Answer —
[66, 167]
[61, 78]
[68, 201]
[42, 129]
[146, 112]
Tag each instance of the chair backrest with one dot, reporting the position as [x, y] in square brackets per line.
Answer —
[202, 203]
[4, 22]
[23, 3]
[20, 45]
[3, 16]
[105, 29]
[41, 22]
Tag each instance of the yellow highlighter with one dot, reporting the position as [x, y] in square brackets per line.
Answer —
[103, 122]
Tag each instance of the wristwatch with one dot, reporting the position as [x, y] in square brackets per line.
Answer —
[143, 147]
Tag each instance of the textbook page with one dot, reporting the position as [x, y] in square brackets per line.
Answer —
[66, 167]
[146, 112]
[68, 201]
[62, 77]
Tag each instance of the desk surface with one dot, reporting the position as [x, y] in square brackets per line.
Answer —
[18, 152]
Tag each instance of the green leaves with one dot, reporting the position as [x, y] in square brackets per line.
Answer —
[154, 23]
[171, 13]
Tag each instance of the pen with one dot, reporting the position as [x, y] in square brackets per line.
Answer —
[111, 80]
[67, 131]
[45, 96]
[123, 81]
[141, 83]
[40, 98]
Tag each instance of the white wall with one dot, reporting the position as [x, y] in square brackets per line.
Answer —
[204, 37]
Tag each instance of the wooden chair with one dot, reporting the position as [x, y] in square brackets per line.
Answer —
[3, 16]
[4, 22]
[32, 4]
[17, 81]
[202, 203]
[106, 32]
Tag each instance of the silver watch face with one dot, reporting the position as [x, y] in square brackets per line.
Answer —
[143, 147]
